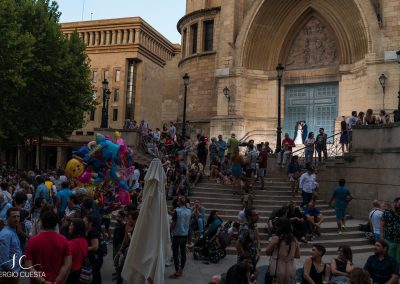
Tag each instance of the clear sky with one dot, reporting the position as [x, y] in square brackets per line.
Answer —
[163, 15]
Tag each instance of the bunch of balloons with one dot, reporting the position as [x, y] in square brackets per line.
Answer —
[102, 160]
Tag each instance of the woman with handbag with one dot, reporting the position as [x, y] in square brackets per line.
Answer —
[79, 249]
[283, 249]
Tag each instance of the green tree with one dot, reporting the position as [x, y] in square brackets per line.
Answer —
[16, 46]
[56, 90]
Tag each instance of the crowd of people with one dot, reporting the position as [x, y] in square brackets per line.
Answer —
[49, 220]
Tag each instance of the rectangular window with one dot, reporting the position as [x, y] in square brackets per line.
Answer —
[208, 35]
[184, 42]
[94, 76]
[130, 90]
[116, 95]
[106, 75]
[94, 95]
[193, 38]
[115, 114]
[117, 75]
[92, 114]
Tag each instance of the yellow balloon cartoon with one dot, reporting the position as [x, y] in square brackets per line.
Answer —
[117, 135]
[74, 168]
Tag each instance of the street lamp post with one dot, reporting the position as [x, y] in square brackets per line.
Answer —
[185, 84]
[279, 71]
[398, 106]
[104, 110]
[382, 81]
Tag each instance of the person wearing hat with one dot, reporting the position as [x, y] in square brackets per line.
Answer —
[232, 145]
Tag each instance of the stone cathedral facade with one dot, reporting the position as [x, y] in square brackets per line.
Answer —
[333, 52]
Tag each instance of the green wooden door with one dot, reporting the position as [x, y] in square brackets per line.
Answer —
[317, 104]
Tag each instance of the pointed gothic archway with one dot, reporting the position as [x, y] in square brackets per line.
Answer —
[273, 22]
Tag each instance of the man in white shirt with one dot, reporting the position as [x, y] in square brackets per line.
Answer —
[172, 130]
[308, 185]
[134, 179]
[350, 121]
[375, 217]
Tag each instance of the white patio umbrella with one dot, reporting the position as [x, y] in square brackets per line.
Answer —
[150, 245]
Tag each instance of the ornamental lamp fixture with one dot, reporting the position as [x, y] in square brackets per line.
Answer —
[279, 70]
[105, 84]
[382, 81]
[226, 93]
[186, 79]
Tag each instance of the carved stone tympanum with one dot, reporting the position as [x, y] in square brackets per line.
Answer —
[314, 46]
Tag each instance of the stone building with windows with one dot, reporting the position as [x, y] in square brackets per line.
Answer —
[141, 67]
[333, 52]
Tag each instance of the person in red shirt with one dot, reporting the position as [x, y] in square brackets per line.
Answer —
[79, 249]
[287, 146]
[48, 254]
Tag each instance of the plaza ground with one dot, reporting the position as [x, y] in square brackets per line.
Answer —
[197, 272]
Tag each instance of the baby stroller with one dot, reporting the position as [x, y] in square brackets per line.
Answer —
[212, 248]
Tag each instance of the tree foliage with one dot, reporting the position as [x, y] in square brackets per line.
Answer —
[48, 91]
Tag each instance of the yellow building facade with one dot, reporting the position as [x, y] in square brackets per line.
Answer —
[141, 67]
[333, 52]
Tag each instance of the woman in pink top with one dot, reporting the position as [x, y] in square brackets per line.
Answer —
[79, 248]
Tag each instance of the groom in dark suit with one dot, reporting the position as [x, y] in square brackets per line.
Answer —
[305, 130]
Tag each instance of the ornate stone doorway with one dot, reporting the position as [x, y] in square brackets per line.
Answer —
[317, 104]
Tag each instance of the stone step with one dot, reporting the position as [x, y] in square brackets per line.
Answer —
[328, 226]
[264, 218]
[256, 185]
[327, 235]
[331, 243]
[234, 199]
[237, 205]
[330, 251]
[286, 192]
[261, 211]
[213, 183]
[230, 195]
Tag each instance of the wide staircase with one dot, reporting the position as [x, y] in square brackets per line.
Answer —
[220, 197]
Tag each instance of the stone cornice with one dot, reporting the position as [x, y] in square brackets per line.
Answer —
[197, 55]
[148, 41]
[196, 14]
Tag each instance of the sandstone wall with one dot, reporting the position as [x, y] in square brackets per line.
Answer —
[371, 169]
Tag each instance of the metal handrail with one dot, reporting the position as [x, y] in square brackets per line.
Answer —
[255, 132]
[334, 148]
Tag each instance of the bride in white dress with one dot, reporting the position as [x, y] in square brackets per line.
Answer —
[299, 133]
